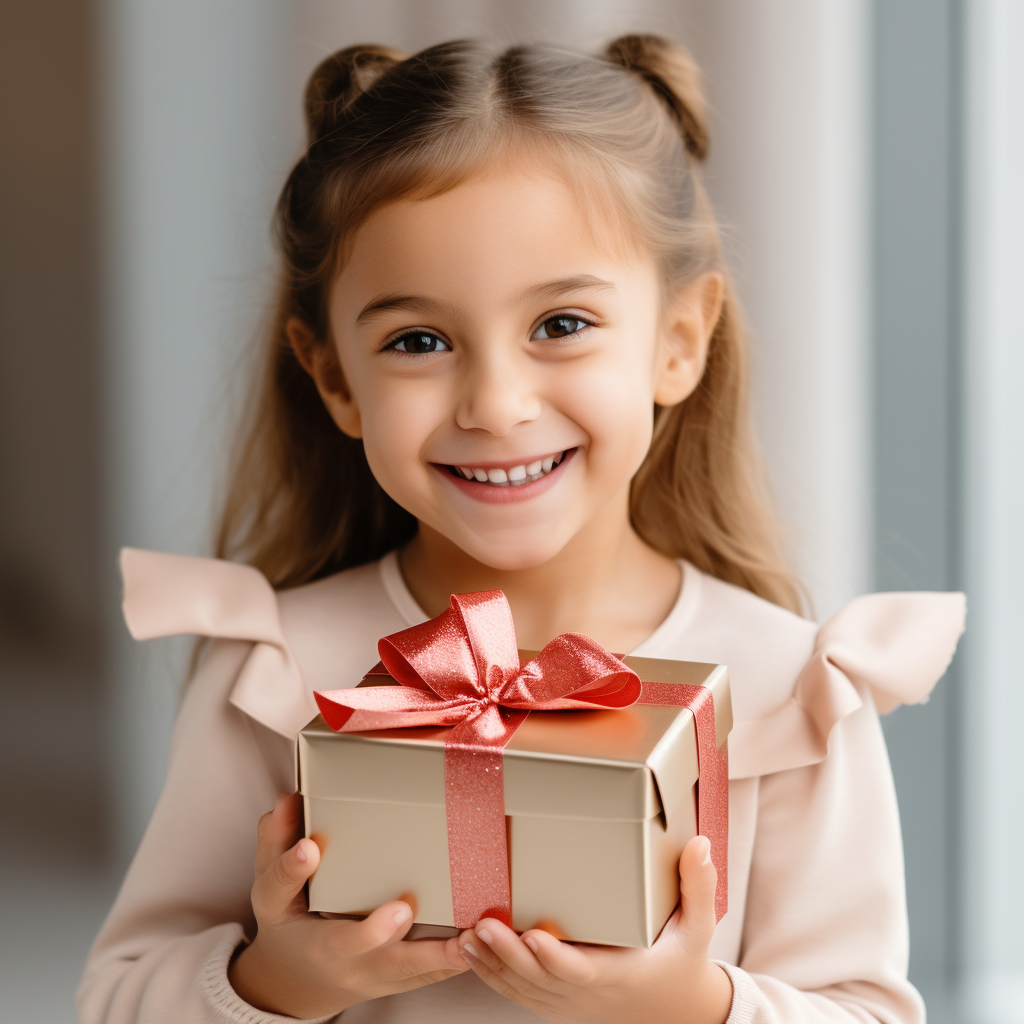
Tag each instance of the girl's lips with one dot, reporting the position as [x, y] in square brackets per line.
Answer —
[496, 495]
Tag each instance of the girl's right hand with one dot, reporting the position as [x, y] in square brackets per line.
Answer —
[301, 965]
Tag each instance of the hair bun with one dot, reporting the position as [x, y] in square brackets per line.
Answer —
[339, 80]
[674, 76]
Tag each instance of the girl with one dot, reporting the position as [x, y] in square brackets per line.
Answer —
[506, 356]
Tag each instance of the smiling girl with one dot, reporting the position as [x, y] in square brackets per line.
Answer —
[506, 356]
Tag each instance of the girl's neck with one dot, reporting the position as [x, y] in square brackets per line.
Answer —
[606, 583]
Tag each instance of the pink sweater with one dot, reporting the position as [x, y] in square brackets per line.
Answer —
[816, 929]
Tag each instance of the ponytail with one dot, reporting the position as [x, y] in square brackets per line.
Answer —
[339, 80]
[675, 78]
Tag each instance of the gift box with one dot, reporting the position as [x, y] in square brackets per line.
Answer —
[598, 804]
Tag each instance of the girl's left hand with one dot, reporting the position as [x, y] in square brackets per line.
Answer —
[673, 982]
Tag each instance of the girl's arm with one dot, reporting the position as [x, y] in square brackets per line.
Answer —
[184, 906]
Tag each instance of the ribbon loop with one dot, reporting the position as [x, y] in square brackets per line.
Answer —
[434, 656]
[487, 623]
[572, 665]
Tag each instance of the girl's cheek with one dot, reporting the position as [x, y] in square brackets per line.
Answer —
[615, 409]
[395, 429]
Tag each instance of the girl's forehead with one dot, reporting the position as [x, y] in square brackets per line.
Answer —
[501, 216]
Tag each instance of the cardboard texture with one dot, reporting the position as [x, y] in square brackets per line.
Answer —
[598, 805]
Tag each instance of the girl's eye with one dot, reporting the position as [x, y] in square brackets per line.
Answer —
[419, 343]
[559, 327]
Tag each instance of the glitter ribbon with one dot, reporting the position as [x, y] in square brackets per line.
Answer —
[462, 670]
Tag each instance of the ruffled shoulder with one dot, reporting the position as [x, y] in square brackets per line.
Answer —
[893, 646]
[167, 595]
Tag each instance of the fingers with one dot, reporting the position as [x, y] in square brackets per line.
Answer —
[383, 929]
[698, 879]
[275, 890]
[388, 923]
[491, 977]
[278, 830]
[506, 956]
[421, 962]
[454, 954]
[570, 964]
[513, 951]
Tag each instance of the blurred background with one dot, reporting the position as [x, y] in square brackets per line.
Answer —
[867, 161]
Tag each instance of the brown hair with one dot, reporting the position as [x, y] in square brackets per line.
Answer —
[302, 502]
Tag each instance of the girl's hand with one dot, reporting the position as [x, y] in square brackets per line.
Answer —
[301, 965]
[673, 982]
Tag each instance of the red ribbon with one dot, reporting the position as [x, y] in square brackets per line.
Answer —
[462, 670]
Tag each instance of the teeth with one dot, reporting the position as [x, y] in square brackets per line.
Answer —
[514, 477]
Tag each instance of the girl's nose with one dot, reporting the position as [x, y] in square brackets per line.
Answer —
[496, 394]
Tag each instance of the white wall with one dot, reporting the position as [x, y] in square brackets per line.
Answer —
[194, 155]
[789, 166]
[993, 897]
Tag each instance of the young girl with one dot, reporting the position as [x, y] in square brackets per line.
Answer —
[506, 356]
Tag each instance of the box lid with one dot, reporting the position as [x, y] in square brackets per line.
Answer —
[626, 764]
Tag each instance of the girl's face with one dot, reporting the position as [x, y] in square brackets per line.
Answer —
[501, 352]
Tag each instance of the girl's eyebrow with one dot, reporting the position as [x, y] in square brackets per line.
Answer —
[432, 307]
[555, 289]
[413, 303]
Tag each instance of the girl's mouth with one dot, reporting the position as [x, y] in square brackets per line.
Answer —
[514, 483]
[515, 476]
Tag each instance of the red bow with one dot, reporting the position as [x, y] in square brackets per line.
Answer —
[462, 669]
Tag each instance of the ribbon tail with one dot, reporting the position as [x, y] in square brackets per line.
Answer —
[713, 768]
[474, 784]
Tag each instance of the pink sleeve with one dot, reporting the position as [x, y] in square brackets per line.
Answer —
[184, 908]
[825, 934]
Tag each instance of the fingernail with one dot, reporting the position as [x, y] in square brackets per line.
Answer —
[402, 914]
[707, 850]
[468, 948]
[531, 942]
[300, 854]
[485, 936]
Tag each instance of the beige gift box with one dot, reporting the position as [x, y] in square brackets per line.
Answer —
[598, 806]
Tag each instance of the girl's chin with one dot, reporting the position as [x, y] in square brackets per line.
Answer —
[505, 554]
[503, 560]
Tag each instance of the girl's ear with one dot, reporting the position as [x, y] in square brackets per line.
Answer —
[690, 321]
[320, 361]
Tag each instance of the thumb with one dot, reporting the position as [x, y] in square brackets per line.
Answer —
[277, 830]
[698, 880]
[274, 892]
